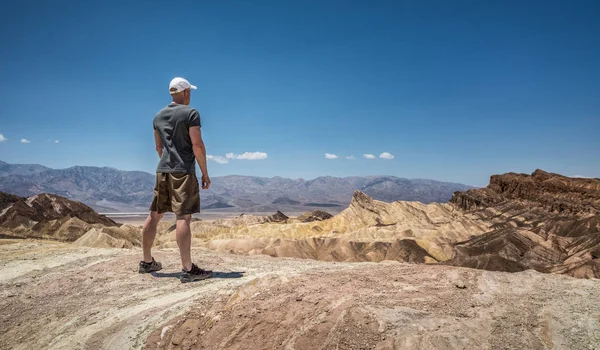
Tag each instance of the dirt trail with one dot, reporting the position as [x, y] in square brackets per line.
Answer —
[55, 296]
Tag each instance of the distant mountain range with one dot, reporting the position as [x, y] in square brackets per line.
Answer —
[110, 190]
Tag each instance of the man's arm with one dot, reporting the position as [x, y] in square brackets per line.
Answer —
[158, 143]
[200, 154]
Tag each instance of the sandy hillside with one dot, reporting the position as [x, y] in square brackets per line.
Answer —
[433, 227]
[59, 296]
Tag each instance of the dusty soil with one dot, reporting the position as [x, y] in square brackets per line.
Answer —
[57, 296]
[395, 306]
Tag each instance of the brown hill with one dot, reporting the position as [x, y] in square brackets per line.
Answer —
[544, 221]
[48, 216]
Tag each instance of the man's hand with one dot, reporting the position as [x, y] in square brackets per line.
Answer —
[205, 182]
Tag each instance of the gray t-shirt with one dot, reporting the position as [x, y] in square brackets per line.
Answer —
[173, 123]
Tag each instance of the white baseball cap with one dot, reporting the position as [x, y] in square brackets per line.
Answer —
[178, 84]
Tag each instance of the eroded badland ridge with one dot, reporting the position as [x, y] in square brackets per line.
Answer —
[67, 282]
[547, 222]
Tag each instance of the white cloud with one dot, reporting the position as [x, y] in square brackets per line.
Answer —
[330, 156]
[386, 155]
[253, 156]
[25, 141]
[247, 156]
[55, 141]
[2, 138]
[217, 159]
[369, 156]
[350, 157]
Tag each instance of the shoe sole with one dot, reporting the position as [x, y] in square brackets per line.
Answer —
[195, 278]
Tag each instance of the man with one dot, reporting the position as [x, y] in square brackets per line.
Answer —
[178, 143]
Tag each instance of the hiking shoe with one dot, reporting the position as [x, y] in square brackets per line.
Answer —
[195, 274]
[149, 267]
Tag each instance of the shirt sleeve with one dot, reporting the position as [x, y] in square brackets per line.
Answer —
[194, 118]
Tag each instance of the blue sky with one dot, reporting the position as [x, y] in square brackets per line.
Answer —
[454, 90]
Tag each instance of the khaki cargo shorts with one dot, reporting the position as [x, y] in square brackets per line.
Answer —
[176, 192]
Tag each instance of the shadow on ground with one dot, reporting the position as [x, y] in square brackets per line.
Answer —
[216, 274]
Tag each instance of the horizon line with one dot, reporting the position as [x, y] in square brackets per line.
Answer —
[263, 177]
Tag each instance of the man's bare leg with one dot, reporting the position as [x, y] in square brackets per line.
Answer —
[184, 240]
[149, 233]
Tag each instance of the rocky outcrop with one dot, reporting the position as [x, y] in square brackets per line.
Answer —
[554, 193]
[315, 215]
[110, 237]
[278, 217]
[543, 221]
[433, 226]
[49, 216]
